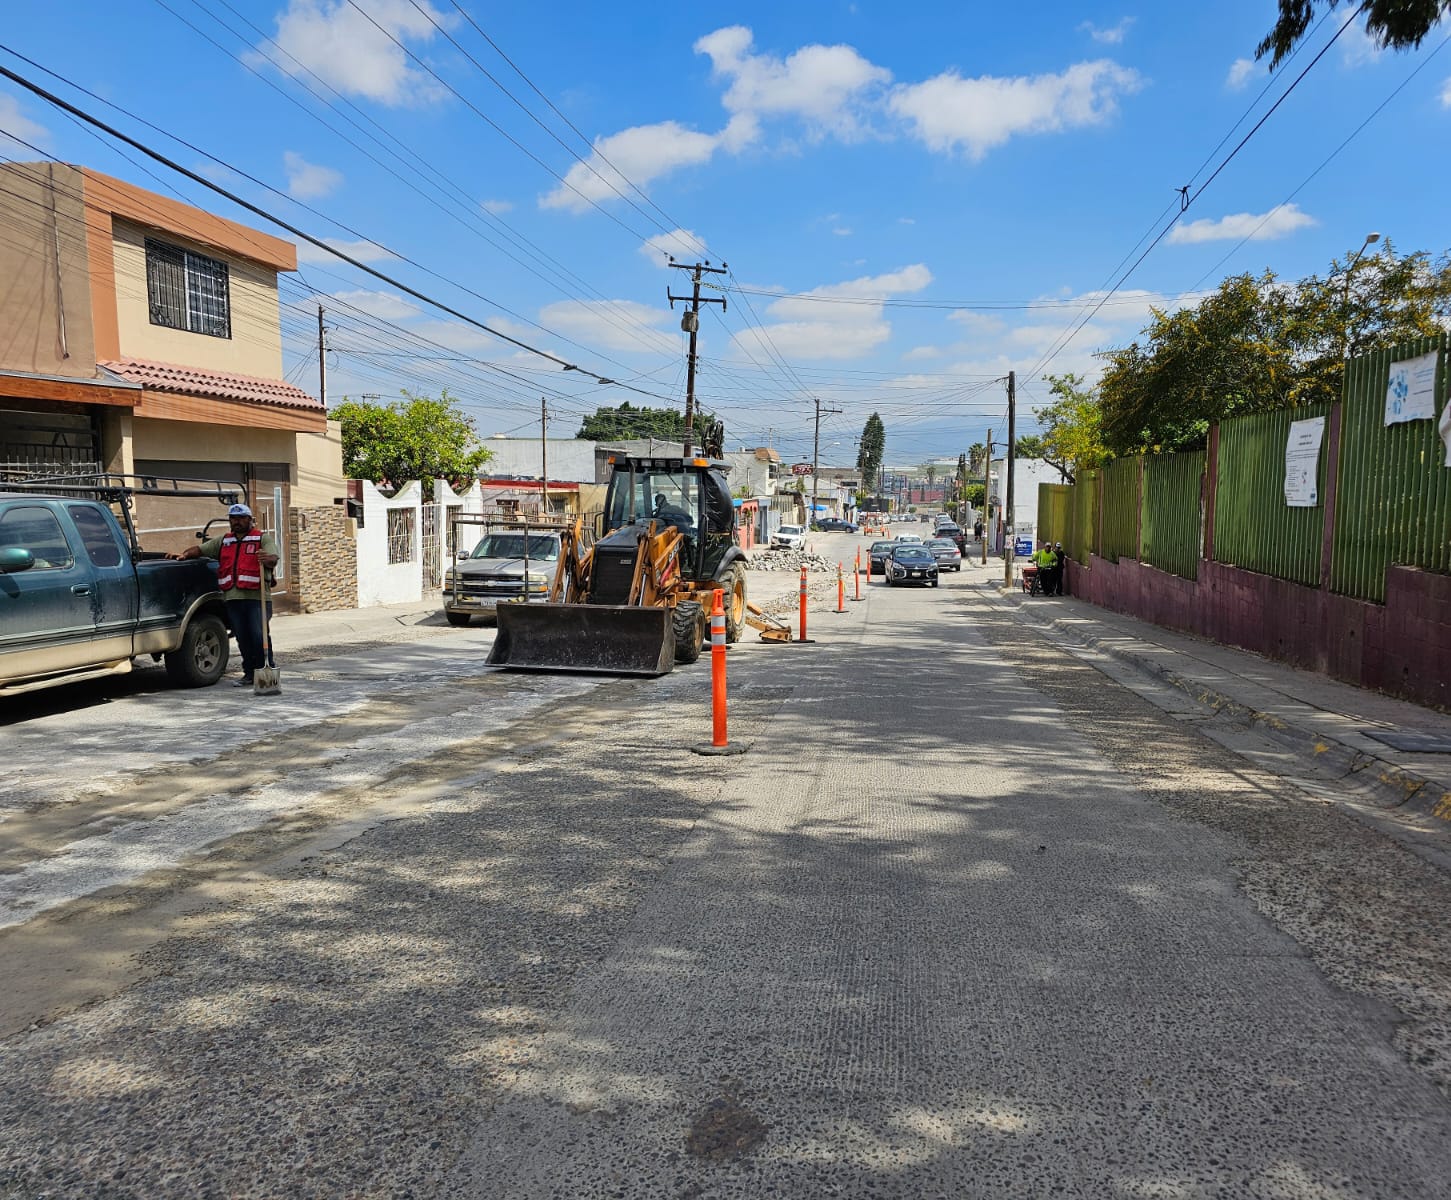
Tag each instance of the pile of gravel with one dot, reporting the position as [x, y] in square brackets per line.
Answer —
[778, 558]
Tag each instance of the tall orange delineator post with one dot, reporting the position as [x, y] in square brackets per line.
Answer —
[856, 574]
[840, 589]
[717, 672]
[803, 604]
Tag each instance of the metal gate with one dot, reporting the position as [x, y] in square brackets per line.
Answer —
[432, 546]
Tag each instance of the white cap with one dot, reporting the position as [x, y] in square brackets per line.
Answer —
[239, 510]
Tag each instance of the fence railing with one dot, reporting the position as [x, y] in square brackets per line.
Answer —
[1392, 489]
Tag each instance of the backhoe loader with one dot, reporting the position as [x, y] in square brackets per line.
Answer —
[635, 602]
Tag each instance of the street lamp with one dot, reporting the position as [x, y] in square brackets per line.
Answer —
[1370, 240]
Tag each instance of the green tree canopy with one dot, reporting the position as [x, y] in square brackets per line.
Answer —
[1256, 343]
[1396, 24]
[416, 437]
[1071, 439]
[667, 424]
[869, 457]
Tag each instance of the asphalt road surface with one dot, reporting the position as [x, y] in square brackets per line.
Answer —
[967, 918]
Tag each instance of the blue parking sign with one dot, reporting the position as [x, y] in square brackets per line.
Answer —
[1022, 547]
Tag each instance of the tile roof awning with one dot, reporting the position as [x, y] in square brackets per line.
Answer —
[212, 385]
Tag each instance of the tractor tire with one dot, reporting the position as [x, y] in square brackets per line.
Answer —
[734, 583]
[458, 619]
[202, 656]
[689, 621]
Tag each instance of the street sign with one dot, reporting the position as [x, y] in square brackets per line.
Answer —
[1022, 547]
[995, 501]
[801, 468]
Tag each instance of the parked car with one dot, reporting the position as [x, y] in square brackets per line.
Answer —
[834, 525]
[945, 551]
[792, 537]
[912, 538]
[80, 598]
[878, 553]
[493, 573]
[954, 532]
[911, 564]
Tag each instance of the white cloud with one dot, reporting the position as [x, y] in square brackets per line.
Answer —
[308, 181]
[16, 124]
[813, 329]
[906, 220]
[386, 306]
[466, 339]
[497, 207]
[949, 113]
[611, 324]
[642, 154]
[349, 52]
[841, 231]
[363, 251]
[680, 244]
[1111, 36]
[922, 353]
[824, 86]
[1239, 72]
[1358, 48]
[1446, 94]
[1279, 222]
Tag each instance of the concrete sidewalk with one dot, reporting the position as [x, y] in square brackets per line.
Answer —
[1380, 747]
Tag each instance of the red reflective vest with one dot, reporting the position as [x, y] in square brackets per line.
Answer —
[237, 563]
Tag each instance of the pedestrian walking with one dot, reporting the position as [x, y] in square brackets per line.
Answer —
[242, 554]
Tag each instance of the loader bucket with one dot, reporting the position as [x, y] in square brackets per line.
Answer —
[600, 639]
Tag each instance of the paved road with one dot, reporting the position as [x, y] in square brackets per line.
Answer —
[968, 919]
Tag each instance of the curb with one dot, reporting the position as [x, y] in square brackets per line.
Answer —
[1387, 786]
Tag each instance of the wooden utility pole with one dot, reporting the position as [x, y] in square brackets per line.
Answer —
[816, 459]
[690, 322]
[321, 359]
[1008, 506]
[543, 456]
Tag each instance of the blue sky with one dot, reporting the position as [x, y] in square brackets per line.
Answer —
[913, 198]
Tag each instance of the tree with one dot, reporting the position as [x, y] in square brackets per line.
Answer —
[1257, 344]
[666, 424]
[976, 458]
[869, 457]
[416, 437]
[1071, 439]
[1397, 24]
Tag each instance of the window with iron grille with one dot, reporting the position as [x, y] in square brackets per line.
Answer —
[188, 291]
[400, 535]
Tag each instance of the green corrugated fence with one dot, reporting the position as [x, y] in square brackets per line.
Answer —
[1253, 526]
[1121, 509]
[1082, 539]
[1173, 513]
[1054, 512]
[1393, 498]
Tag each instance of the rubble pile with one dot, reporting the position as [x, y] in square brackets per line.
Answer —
[778, 558]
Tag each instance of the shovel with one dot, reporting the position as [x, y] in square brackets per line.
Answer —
[266, 680]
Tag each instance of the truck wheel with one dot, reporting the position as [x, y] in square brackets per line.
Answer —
[459, 619]
[734, 583]
[689, 622]
[202, 656]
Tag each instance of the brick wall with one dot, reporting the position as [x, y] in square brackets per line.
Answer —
[324, 559]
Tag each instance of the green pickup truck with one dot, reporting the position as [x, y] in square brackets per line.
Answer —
[80, 599]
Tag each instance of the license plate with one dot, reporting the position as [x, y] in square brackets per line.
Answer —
[916, 574]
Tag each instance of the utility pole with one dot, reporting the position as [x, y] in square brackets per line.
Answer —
[987, 486]
[543, 456]
[321, 359]
[690, 322]
[1008, 509]
[816, 459]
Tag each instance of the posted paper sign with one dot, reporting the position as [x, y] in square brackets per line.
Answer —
[1411, 390]
[1302, 462]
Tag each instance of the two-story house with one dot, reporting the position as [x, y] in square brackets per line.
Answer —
[141, 335]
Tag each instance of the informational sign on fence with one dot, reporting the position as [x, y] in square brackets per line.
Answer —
[1022, 547]
[1411, 390]
[1302, 462]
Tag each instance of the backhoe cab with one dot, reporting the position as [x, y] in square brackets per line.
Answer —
[636, 601]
